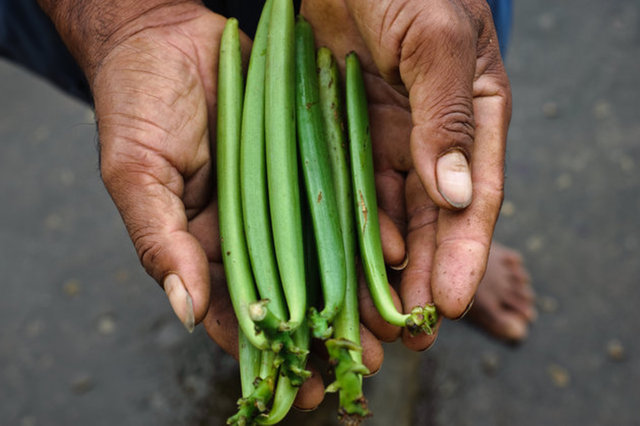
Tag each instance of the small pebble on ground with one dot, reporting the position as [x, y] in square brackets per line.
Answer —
[71, 287]
[615, 350]
[82, 384]
[559, 375]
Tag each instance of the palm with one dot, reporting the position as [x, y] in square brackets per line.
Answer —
[155, 103]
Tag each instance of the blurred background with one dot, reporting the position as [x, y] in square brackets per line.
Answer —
[87, 338]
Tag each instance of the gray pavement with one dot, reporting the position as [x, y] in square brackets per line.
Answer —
[88, 339]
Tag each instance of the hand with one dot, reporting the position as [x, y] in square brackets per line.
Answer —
[155, 100]
[152, 70]
[440, 106]
[154, 96]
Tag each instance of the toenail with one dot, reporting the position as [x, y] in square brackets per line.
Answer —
[516, 330]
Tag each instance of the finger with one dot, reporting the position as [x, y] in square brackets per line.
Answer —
[329, 18]
[464, 238]
[155, 163]
[220, 322]
[413, 44]
[311, 392]
[422, 217]
[461, 110]
[440, 94]
[370, 316]
[146, 190]
[372, 351]
[393, 250]
[204, 226]
[390, 130]
[390, 189]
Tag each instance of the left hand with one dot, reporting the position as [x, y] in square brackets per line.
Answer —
[439, 106]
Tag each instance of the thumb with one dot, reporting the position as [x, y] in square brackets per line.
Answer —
[152, 103]
[431, 51]
[146, 190]
[441, 96]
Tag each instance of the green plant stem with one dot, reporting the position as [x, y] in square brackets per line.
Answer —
[348, 381]
[250, 359]
[421, 318]
[321, 199]
[286, 391]
[281, 158]
[257, 390]
[345, 353]
[257, 376]
[289, 357]
[347, 322]
[234, 250]
[253, 175]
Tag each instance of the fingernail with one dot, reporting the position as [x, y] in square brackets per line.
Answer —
[180, 300]
[468, 308]
[402, 265]
[305, 410]
[371, 373]
[454, 178]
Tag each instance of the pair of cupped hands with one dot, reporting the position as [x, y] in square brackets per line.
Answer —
[439, 110]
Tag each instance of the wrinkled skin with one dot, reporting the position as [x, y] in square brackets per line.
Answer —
[436, 84]
[155, 100]
[155, 89]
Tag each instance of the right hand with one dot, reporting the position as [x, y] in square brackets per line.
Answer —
[155, 100]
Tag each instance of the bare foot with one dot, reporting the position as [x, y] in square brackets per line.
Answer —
[504, 302]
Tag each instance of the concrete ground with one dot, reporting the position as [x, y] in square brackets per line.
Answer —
[88, 339]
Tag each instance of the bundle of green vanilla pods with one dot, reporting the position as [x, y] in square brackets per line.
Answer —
[297, 211]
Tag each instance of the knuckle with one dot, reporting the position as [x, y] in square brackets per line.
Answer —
[479, 13]
[453, 120]
[457, 120]
[504, 96]
[495, 196]
[422, 217]
[127, 160]
[448, 25]
[147, 246]
[433, 32]
[488, 201]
